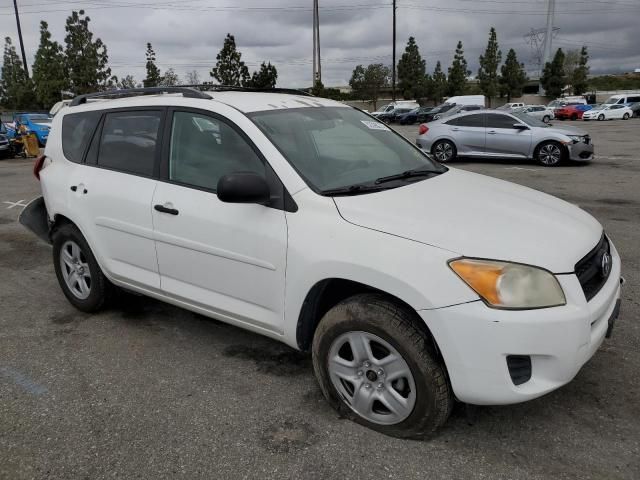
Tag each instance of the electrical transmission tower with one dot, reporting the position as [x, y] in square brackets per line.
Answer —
[317, 68]
[541, 40]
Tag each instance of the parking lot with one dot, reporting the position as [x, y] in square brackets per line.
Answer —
[146, 390]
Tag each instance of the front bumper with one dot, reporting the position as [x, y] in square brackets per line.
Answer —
[581, 152]
[475, 341]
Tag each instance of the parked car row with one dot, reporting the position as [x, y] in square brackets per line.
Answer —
[25, 123]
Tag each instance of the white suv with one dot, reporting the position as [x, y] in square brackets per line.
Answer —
[310, 222]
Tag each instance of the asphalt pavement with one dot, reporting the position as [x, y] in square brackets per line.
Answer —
[146, 390]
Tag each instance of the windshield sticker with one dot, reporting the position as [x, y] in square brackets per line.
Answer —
[375, 125]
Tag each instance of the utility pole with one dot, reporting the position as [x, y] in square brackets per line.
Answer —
[24, 57]
[393, 67]
[317, 64]
[315, 48]
[318, 41]
[548, 36]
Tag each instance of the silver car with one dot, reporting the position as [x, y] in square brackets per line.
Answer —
[501, 134]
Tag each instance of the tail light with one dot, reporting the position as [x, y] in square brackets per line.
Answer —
[423, 129]
[38, 166]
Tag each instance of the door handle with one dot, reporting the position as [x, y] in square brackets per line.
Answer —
[163, 209]
[492, 132]
[455, 129]
[74, 188]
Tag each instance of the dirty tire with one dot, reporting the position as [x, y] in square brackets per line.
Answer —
[601, 117]
[374, 314]
[101, 290]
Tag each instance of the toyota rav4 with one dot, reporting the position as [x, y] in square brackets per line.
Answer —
[412, 284]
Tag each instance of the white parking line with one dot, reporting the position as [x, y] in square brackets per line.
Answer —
[19, 203]
[520, 168]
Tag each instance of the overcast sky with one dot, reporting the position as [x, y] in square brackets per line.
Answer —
[188, 34]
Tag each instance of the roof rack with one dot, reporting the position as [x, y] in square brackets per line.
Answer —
[132, 92]
[230, 88]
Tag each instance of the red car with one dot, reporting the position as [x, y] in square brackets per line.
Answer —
[571, 112]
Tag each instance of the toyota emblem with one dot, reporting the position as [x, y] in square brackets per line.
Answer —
[605, 264]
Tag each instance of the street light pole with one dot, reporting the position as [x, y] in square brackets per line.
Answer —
[24, 57]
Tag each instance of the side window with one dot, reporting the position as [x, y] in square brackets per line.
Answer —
[476, 120]
[129, 141]
[500, 121]
[203, 149]
[633, 99]
[77, 129]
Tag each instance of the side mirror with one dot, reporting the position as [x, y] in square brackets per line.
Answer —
[243, 187]
[520, 126]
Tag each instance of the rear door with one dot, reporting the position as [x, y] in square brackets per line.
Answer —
[468, 132]
[505, 140]
[112, 192]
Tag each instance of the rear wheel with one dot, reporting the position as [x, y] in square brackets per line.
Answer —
[444, 151]
[376, 367]
[549, 154]
[78, 272]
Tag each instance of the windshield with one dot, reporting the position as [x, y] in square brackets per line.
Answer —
[338, 147]
[611, 101]
[529, 120]
[39, 118]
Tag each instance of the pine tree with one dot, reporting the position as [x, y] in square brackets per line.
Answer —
[458, 73]
[368, 82]
[230, 69]
[513, 77]
[411, 71]
[317, 89]
[488, 71]
[554, 78]
[16, 89]
[153, 72]
[49, 74]
[86, 59]
[439, 83]
[579, 81]
[264, 78]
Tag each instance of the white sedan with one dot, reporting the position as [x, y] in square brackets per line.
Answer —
[608, 112]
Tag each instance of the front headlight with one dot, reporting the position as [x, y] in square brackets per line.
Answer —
[510, 285]
[576, 138]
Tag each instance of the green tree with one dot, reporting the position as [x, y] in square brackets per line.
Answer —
[458, 73]
[368, 82]
[49, 74]
[169, 79]
[579, 81]
[86, 59]
[488, 71]
[153, 72]
[318, 89]
[264, 78]
[126, 82]
[411, 71]
[554, 78]
[438, 83]
[513, 77]
[16, 89]
[230, 70]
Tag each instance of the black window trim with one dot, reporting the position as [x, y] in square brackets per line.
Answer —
[469, 114]
[159, 142]
[88, 145]
[286, 204]
[514, 119]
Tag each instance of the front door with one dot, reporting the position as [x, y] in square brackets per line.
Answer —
[227, 258]
[505, 140]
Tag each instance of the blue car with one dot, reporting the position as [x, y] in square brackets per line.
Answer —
[38, 123]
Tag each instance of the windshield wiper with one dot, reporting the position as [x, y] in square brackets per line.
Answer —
[352, 190]
[408, 174]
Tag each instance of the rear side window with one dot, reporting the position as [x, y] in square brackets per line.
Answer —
[476, 120]
[77, 130]
[129, 141]
[633, 99]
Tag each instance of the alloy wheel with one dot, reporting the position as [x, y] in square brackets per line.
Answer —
[371, 377]
[443, 152]
[75, 270]
[550, 154]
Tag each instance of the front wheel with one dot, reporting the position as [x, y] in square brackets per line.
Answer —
[378, 368]
[549, 154]
[546, 119]
[444, 151]
[601, 117]
[625, 116]
[78, 272]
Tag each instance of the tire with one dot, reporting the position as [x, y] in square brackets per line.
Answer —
[601, 117]
[546, 119]
[625, 116]
[550, 154]
[444, 151]
[72, 259]
[420, 394]
[574, 117]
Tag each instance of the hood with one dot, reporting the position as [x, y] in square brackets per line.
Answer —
[570, 131]
[478, 216]
[41, 126]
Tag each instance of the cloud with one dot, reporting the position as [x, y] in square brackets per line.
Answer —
[188, 35]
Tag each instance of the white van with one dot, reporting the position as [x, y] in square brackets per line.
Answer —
[410, 104]
[625, 98]
[466, 100]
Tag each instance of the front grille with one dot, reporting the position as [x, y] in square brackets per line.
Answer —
[519, 368]
[589, 270]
